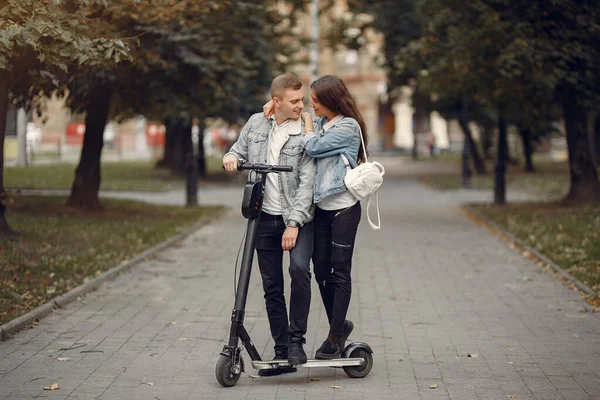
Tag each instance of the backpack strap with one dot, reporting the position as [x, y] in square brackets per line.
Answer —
[348, 166]
[378, 226]
[373, 226]
[363, 143]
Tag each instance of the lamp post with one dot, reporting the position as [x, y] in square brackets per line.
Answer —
[314, 42]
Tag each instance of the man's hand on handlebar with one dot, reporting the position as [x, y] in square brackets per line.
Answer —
[230, 163]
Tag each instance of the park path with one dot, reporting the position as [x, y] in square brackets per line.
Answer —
[429, 289]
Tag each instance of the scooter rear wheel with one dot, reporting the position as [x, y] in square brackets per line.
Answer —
[226, 374]
[360, 371]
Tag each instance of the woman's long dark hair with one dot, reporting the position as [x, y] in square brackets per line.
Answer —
[331, 91]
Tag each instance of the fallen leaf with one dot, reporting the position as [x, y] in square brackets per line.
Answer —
[314, 379]
[433, 386]
[63, 358]
[54, 386]
[336, 387]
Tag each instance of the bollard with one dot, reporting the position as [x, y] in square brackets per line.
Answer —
[191, 174]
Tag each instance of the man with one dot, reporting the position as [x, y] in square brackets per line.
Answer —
[286, 220]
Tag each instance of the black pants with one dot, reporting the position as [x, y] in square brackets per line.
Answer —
[270, 262]
[335, 233]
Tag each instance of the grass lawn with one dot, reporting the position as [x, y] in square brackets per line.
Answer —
[550, 180]
[569, 236]
[58, 247]
[128, 176]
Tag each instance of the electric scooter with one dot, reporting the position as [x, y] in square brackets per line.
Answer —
[356, 358]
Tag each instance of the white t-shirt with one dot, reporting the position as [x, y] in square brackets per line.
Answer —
[336, 201]
[278, 136]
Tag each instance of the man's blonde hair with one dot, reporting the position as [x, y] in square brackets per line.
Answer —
[283, 82]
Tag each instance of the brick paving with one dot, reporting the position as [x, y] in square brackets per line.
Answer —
[429, 290]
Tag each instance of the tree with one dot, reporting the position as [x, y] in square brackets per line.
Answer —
[199, 59]
[40, 41]
[510, 57]
[557, 42]
[404, 26]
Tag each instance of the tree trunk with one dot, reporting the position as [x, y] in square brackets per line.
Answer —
[415, 149]
[527, 148]
[591, 133]
[585, 187]
[500, 170]
[597, 140]
[477, 161]
[5, 229]
[201, 150]
[466, 173]
[84, 192]
[182, 144]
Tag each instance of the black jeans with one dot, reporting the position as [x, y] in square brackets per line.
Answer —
[270, 262]
[335, 234]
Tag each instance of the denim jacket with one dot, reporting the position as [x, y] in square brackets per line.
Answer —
[326, 147]
[296, 188]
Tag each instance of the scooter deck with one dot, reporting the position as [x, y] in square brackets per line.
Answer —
[337, 362]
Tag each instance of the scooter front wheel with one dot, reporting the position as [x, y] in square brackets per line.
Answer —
[226, 372]
[363, 370]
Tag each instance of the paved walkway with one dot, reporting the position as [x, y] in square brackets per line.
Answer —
[428, 290]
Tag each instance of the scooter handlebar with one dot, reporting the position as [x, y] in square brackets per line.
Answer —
[264, 167]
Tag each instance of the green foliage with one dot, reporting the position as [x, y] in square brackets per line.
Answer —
[40, 41]
[555, 41]
[398, 21]
[505, 54]
[214, 62]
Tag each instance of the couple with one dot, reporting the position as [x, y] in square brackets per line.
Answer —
[290, 221]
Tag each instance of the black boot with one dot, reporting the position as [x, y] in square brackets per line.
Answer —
[348, 328]
[333, 346]
[296, 354]
[329, 350]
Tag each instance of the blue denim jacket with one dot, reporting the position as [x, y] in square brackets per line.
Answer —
[326, 147]
[296, 187]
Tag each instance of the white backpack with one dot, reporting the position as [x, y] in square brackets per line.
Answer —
[363, 181]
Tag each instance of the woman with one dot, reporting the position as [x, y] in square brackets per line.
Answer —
[339, 126]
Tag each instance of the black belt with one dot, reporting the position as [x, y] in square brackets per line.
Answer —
[267, 216]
